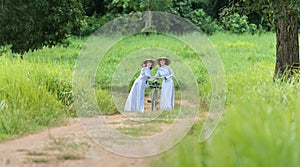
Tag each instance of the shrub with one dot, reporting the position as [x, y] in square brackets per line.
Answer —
[235, 23]
[203, 21]
[93, 23]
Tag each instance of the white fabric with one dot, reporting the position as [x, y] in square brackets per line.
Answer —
[135, 100]
[167, 90]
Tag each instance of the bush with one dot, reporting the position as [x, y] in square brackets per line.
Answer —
[253, 28]
[203, 21]
[235, 23]
[93, 23]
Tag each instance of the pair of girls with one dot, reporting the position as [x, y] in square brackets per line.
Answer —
[135, 100]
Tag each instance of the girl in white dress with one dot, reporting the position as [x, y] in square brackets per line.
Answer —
[135, 100]
[167, 88]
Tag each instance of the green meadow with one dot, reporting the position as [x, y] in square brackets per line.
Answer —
[259, 126]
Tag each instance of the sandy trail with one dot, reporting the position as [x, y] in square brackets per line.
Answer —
[61, 146]
[69, 146]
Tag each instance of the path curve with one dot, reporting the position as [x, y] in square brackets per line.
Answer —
[63, 146]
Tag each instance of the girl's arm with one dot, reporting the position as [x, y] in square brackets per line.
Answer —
[170, 72]
[155, 76]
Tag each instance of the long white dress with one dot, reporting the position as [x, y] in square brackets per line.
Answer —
[167, 89]
[135, 100]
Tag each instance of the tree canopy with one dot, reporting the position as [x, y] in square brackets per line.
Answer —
[32, 24]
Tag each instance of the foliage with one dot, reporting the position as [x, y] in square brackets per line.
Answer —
[23, 31]
[181, 7]
[93, 23]
[32, 24]
[203, 21]
[194, 10]
[265, 12]
[235, 23]
[94, 7]
[128, 6]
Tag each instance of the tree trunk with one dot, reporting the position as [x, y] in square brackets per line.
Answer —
[287, 45]
[148, 22]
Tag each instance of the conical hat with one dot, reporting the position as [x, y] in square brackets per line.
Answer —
[149, 60]
[167, 61]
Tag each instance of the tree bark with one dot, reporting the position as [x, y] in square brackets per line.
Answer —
[287, 45]
[148, 22]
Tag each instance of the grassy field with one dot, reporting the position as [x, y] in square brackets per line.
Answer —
[260, 123]
[259, 126]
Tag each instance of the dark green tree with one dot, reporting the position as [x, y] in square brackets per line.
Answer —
[31, 24]
[95, 7]
[128, 6]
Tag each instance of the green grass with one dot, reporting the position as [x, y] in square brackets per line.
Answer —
[259, 126]
[28, 100]
[140, 47]
[35, 153]
[69, 156]
[40, 160]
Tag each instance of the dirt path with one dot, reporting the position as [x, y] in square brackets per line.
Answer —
[69, 145]
[61, 147]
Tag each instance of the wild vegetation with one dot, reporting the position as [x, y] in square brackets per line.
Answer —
[259, 124]
[260, 116]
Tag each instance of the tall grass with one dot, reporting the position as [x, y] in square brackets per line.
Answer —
[259, 126]
[30, 95]
[260, 123]
[37, 92]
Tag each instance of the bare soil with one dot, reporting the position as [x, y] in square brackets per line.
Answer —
[62, 146]
[69, 146]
